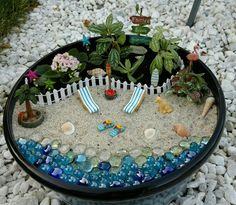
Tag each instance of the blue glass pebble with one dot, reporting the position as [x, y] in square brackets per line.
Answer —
[68, 170]
[21, 141]
[72, 179]
[48, 160]
[86, 166]
[167, 170]
[47, 149]
[128, 160]
[169, 156]
[64, 177]
[46, 168]
[32, 159]
[38, 147]
[54, 152]
[80, 158]
[191, 154]
[194, 147]
[78, 173]
[56, 172]
[116, 184]
[147, 178]
[104, 166]
[31, 143]
[139, 175]
[83, 181]
[38, 162]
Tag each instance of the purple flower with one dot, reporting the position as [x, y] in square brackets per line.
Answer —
[32, 75]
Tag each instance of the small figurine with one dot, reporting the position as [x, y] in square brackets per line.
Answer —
[96, 72]
[208, 104]
[105, 125]
[164, 106]
[30, 118]
[193, 56]
[110, 93]
[86, 42]
[181, 130]
[117, 130]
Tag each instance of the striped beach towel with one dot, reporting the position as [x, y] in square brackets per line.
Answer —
[87, 100]
[135, 101]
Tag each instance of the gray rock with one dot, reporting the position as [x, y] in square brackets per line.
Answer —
[218, 160]
[25, 201]
[230, 194]
[55, 202]
[45, 201]
[7, 155]
[231, 151]
[231, 168]
[3, 191]
[227, 85]
[229, 126]
[24, 187]
[210, 198]
[2, 140]
[211, 185]
[220, 170]
[2, 180]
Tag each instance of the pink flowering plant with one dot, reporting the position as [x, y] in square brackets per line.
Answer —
[65, 68]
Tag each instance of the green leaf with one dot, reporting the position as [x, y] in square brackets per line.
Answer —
[34, 91]
[159, 63]
[116, 27]
[137, 8]
[127, 64]
[175, 54]
[152, 66]
[121, 39]
[74, 52]
[164, 44]
[168, 65]
[41, 69]
[109, 21]
[100, 28]
[154, 45]
[95, 58]
[83, 57]
[114, 58]
[21, 99]
[102, 47]
[74, 79]
[18, 93]
[52, 74]
[137, 64]
[131, 78]
[82, 67]
[104, 40]
[33, 99]
[120, 69]
[167, 55]
[125, 51]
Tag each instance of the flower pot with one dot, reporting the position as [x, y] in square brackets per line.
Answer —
[160, 190]
[36, 121]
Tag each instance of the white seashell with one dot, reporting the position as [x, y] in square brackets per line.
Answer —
[96, 72]
[149, 133]
[155, 77]
[208, 104]
[68, 128]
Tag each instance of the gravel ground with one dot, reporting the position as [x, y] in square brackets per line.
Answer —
[56, 23]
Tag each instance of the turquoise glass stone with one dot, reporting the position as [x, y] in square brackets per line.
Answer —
[46, 168]
[54, 164]
[68, 170]
[194, 147]
[86, 166]
[72, 179]
[21, 141]
[134, 166]
[78, 173]
[169, 156]
[64, 161]
[205, 140]
[128, 160]
[80, 158]
[38, 147]
[53, 153]
[31, 143]
[63, 177]
[32, 159]
[140, 160]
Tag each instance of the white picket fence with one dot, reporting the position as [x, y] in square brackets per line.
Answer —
[57, 95]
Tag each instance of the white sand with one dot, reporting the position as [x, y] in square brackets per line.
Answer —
[148, 116]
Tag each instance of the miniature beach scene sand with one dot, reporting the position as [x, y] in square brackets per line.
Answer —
[87, 139]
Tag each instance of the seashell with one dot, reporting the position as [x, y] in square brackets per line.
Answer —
[139, 50]
[208, 104]
[155, 77]
[96, 72]
[181, 130]
[68, 128]
[149, 133]
[164, 106]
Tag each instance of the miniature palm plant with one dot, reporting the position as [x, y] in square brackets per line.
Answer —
[108, 46]
[130, 69]
[167, 58]
[29, 118]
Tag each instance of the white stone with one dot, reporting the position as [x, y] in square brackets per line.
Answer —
[218, 160]
[211, 185]
[55, 202]
[230, 194]
[231, 168]
[227, 85]
[25, 201]
[7, 155]
[24, 187]
[45, 201]
[210, 198]
[231, 151]
[220, 170]
[3, 191]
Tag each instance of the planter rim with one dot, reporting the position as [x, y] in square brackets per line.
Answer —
[121, 193]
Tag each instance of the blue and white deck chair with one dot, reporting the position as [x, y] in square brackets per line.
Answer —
[135, 101]
[87, 100]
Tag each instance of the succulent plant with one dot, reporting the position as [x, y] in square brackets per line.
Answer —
[167, 58]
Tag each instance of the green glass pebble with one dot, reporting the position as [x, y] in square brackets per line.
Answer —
[146, 151]
[140, 160]
[121, 152]
[185, 144]
[115, 161]
[70, 155]
[104, 155]
[56, 144]
[135, 152]
[64, 148]
[157, 151]
[94, 161]
[96, 170]
[176, 150]
[205, 139]
[196, 139]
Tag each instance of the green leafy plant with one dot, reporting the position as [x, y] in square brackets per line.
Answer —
[190, 85]
[130, 69]
[109, 44]
[167, 58]
[27, 95]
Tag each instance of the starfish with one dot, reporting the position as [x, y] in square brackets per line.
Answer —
[85, 41]
[32, 75]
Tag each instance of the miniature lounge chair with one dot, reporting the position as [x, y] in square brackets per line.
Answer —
[87, 100]
[135, 101]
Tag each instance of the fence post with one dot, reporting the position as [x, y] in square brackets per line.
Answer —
[68, 87]
[41, 101]
[145, 87]
[118, 84]
[93, 79]
[158, 90]
[56, 97]
[168, 83]
[74, 87]
[48, 96]
[100, 79]
[86, 82]
[113, 82]
[81, 84]
[125, 86]
[151, 90]
[164, 87]
[63, 95]
[131, 86]
[139, 85]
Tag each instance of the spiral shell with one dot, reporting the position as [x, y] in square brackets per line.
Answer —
[208, 104]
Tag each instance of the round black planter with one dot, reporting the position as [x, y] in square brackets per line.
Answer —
[152, 188]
